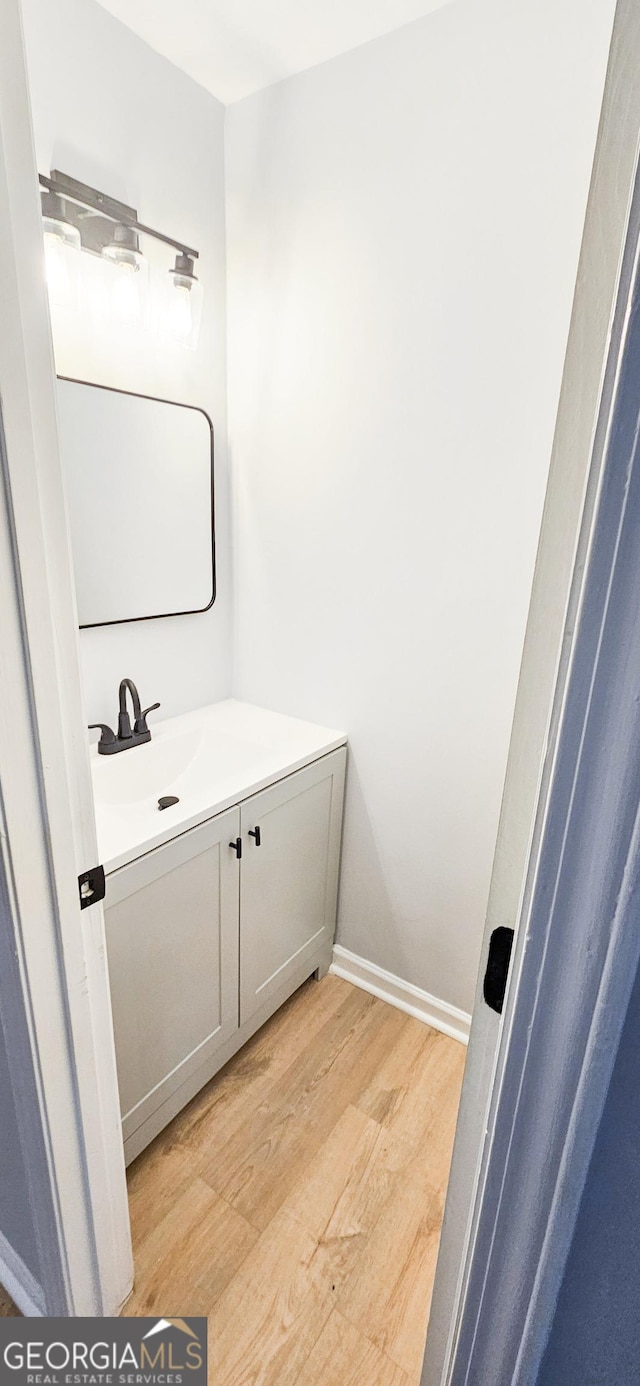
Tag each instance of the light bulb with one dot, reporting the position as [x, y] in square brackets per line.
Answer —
[183, 303]
[61, 252]
[130, 281]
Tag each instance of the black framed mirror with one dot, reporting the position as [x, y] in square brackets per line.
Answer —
[139, 475]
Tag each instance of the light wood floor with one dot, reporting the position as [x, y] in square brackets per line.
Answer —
[298, 1200]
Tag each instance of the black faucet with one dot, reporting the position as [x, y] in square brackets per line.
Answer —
[109, 744]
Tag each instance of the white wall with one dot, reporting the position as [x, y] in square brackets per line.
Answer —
[110, 111]
[404, 225]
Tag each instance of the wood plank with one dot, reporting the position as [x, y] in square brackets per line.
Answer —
[418, 1080]
[343, 1357]
[246, 1081]
[342, 1164]
[256, 1169]
[156, 1181]
[387, 1292]
[265, 1325]
[189, 1258]
[342, 1193]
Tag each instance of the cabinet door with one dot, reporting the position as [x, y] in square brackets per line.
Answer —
[172, 943]
[289, 883]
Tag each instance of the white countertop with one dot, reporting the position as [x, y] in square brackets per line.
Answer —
[211, 759]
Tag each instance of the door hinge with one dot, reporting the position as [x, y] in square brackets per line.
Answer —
[91, 886]
[495, 977]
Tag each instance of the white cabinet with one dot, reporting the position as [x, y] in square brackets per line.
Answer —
[205, 943]
[289, 877]
[172, 944]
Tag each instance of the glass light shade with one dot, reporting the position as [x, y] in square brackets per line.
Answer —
[61, 253]
[183, 304]
[129, 287]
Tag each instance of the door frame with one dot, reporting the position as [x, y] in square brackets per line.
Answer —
[49, 834]
[471, 1335]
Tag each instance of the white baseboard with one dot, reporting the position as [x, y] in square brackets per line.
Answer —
[17, 1280]
[430, 1009]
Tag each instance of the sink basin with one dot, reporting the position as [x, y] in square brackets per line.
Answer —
[183, 763]
[147, 771]
[210, 760]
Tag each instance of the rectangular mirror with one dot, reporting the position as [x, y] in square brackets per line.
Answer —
[139, 480]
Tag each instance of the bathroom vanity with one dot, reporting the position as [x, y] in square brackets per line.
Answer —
[219, 906]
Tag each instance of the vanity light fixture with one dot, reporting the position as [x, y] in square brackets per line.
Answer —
[78, 217]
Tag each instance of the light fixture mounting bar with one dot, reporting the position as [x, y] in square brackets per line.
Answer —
[86, 196]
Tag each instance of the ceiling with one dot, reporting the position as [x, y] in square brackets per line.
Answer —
[235, 47]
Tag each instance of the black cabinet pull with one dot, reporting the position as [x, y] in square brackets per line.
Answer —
[255, 832]
[237, 847]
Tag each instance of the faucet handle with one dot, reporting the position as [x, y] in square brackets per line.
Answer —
[140, 725]
[107, 736]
